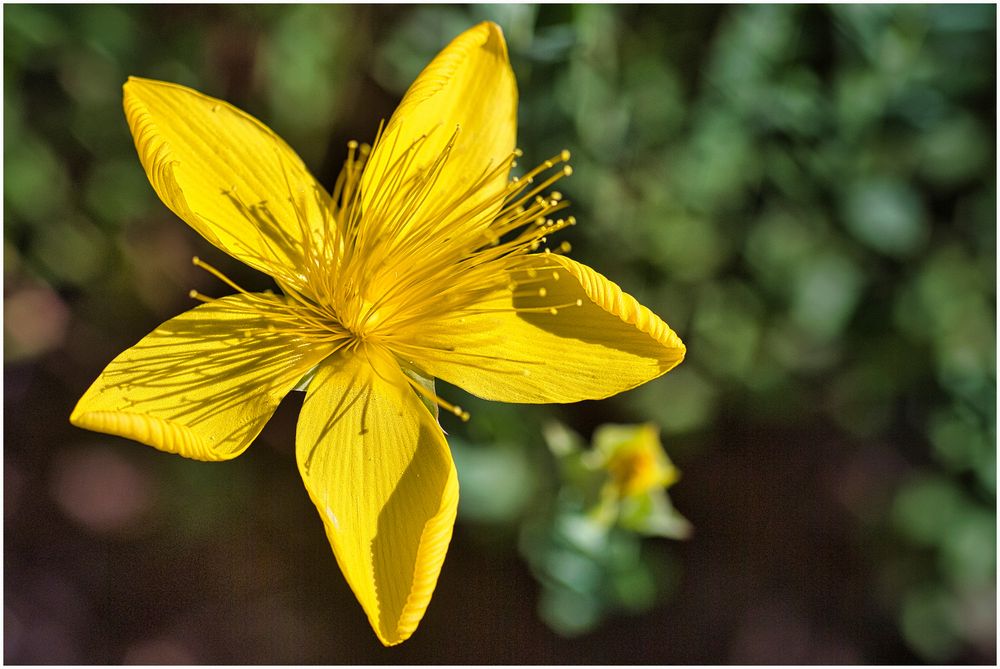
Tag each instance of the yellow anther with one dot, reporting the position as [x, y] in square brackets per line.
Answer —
[542, 292]
[195, 295]
[564, 155]
[568, 170]
[555, 276]
[553, 311]
[565, 247]
[518, 152]
[556, 195]
[579, 302]
[352, 144]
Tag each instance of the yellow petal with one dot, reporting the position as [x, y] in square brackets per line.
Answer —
[225, 173]
[377, 467]
[203, 384]
[466, 97]
[608, 344]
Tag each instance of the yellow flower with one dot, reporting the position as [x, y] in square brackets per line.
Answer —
[635, 459]
[426, 261]
[637, 473]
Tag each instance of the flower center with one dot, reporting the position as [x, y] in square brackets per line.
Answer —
[389, 259]
[364, 321]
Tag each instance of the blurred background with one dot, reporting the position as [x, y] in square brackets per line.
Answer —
[805, 193]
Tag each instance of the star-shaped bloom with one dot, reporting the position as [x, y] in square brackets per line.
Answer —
[426, 261]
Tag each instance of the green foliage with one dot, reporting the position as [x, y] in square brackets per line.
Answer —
[809, 197]
[582, 521]
[585, 547]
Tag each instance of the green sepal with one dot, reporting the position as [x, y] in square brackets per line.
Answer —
[304, 382]
[426, 382]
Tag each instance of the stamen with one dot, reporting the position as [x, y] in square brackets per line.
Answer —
[451, 408]
[554, 309]
[199, 263]
[375, 273]
[195, 295]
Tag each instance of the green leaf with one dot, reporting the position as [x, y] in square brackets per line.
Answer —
[654, 515]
